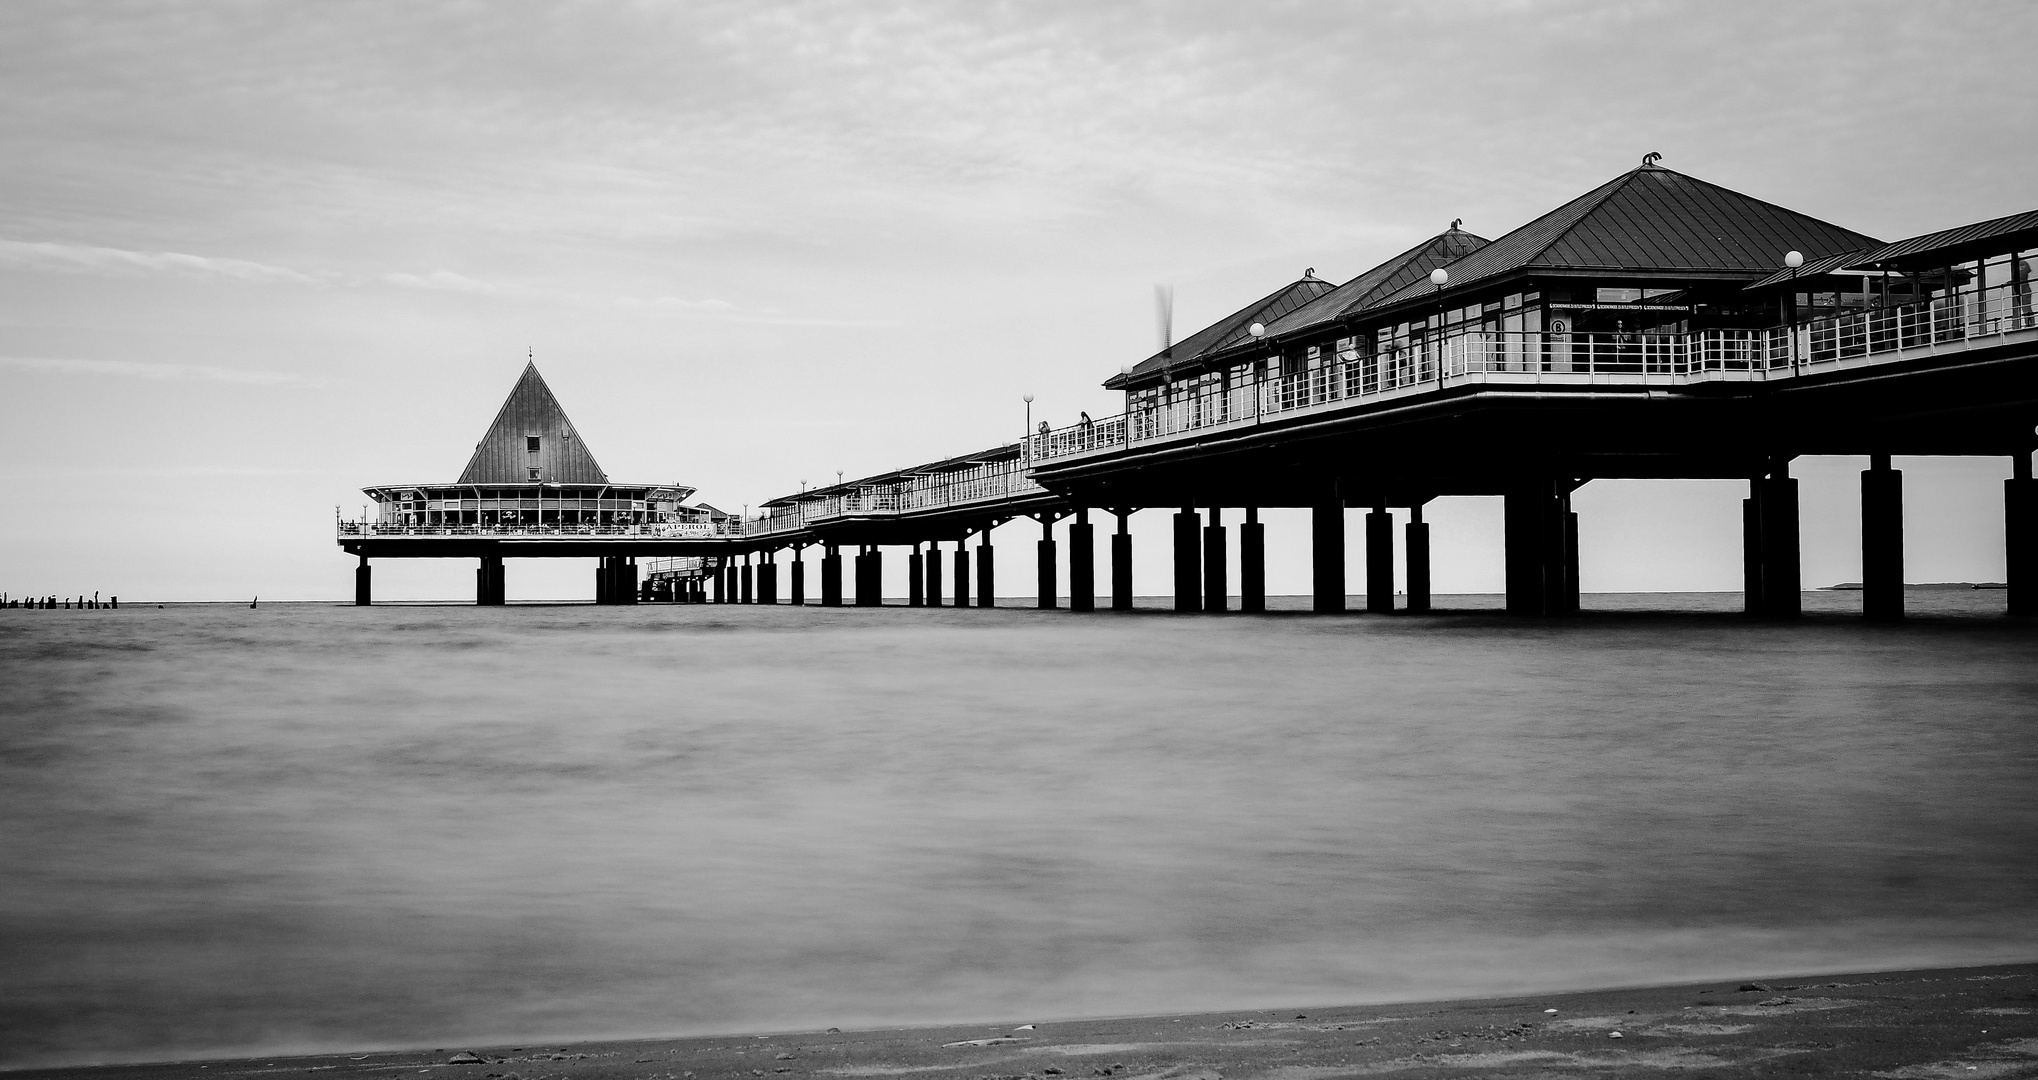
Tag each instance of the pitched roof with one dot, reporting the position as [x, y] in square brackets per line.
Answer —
[1651, 219]
[2012, 233]
[503, 455]
[1003, 452]
[1230, 330]
[1382, 280]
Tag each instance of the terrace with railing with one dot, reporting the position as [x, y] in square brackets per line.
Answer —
[988, 483]
[991, 482]
[669, 530]
[1873, 336]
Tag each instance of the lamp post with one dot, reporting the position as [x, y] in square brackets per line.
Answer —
[1438, 278]
[1028, 399]
[1792, 259]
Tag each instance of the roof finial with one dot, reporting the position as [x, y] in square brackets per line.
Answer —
[1456, 222]
[1308, 273]
[1650, 159]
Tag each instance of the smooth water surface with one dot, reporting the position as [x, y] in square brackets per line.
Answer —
[233, 830]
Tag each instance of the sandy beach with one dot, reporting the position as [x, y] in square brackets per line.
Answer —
[1911, 1025]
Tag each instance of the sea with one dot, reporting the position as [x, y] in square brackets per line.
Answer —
[244, 831]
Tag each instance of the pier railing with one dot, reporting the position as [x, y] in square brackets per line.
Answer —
[984, 484]
[676, 530]
[1871, 336]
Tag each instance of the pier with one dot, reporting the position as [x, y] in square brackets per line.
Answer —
[1656, 327]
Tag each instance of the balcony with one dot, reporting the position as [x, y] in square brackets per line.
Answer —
[1579, 360]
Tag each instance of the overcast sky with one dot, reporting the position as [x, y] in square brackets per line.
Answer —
[254, 257]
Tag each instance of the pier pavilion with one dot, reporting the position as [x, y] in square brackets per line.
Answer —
[532, 488]
[1657, 326]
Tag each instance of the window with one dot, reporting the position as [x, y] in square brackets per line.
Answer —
[531, 443]
[534, 472]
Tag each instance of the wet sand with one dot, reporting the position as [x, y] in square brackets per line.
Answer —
[1913, 1025]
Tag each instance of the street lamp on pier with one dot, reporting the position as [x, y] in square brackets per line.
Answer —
[1792, 259]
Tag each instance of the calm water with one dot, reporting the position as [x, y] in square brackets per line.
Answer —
[225, 830]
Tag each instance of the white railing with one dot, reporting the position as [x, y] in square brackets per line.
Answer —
[997, 482]
[990, 483]
[669, 530]
[1878, 335]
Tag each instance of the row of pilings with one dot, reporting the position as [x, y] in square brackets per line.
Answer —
[60, 603]
[1540, 536]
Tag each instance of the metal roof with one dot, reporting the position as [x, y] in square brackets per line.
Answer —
[2013, 233]
[1006, 452]
[1650, 219]
[503, 456]
[1382, 280]
[1233, 329]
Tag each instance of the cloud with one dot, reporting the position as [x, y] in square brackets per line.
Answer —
[439, 279]
[181, 372]
[80, 258]
[728, 312]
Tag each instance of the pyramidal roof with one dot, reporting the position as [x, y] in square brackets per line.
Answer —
[1226, 332]
[1651, 218]
[1383, 280]
[504, 455]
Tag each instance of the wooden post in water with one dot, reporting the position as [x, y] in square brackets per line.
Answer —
[363, 593]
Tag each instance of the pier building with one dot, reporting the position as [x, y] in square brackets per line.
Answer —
[1657, 326]
[532, 488]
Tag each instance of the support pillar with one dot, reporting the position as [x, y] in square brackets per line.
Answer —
[916, 589]
[1882, 541]
[601, 581]
[933, 572]
[799, 568]
[1567, 592]
[630, 590]
[1121, 563]
[720, 582]
[1770, 527]
[869, 577]
[1542, 549]
[363, 590]
[2020, 536]
[488, 581]
[1188, 560]
[1216, 581]
[749, 596]
[1082, 564]
[1417, 560]
[1380, 561]
[1045, 585]
[1327, 553]
[831, 576]
[962, 572]
[987, 578]
[767, 579]
[1252, 563]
